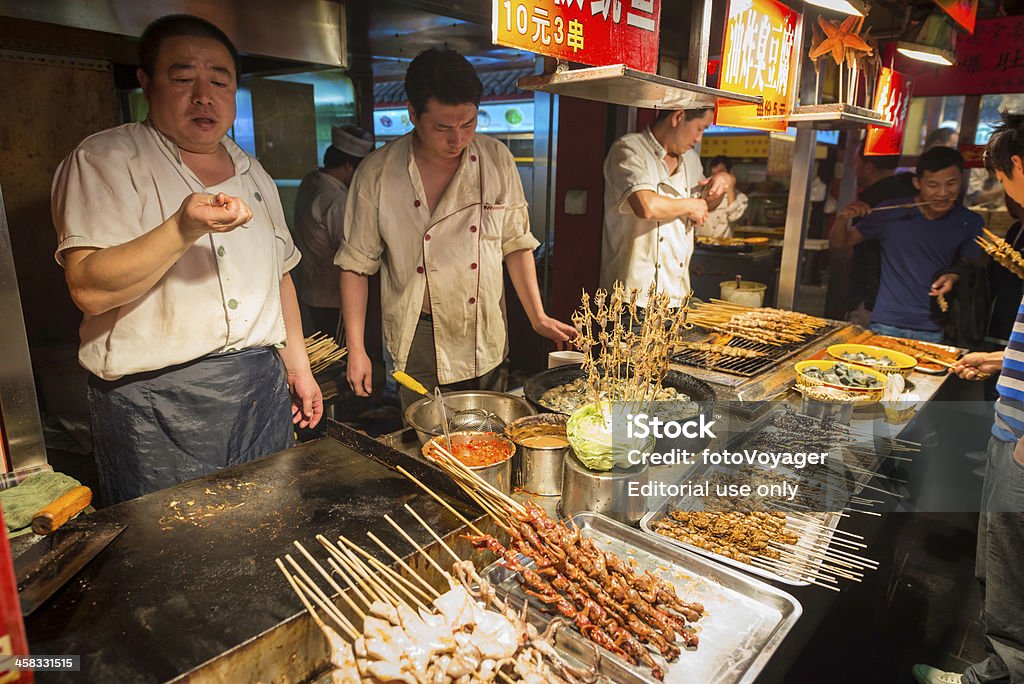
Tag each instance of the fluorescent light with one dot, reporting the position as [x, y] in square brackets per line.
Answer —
[854, 7]
[926, 53]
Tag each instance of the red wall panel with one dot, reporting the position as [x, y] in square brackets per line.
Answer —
[582, 133]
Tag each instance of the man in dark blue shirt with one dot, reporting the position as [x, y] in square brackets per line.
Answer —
[916, 243]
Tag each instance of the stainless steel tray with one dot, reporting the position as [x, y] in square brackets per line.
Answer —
[811, 540]
[745, 619]
[808, 538]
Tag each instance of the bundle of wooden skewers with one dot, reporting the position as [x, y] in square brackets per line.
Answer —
[711, 352]
[791, 431]
[773, 327]
[323, 352]
[1002, 253]
[632, 615]
[626, 349]
[798, 546]
[399, 628]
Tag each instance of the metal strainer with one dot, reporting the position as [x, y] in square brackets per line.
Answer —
[465, 420]
[476, 420]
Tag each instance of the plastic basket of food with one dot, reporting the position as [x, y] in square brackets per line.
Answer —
[844, 376]
[885, 361]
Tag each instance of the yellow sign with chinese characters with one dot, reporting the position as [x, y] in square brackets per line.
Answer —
[735, 146]
[759, 58]
[594, 32]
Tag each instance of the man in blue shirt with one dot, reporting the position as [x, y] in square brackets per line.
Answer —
[917, 242]
[1000, 554]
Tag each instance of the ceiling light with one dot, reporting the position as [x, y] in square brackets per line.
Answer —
[926, 53]
[857, 8]
[932, 41]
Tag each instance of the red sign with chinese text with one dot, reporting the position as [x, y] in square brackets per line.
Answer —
[892, 100]
[963, 12]
[594, 32]
[989, 62]
[974, 155]
[758, 58]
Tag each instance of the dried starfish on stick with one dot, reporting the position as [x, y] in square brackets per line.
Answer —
[846, 47]
[840, 40]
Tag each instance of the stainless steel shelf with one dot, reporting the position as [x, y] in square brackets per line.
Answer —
[831, 116]
[618, 84]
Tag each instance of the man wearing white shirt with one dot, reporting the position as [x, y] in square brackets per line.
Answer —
[438, 212]
[319, 219]
[652, 182]
[175, 248]
[721, 220]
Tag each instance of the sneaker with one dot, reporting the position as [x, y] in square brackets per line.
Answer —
[925, 674]
[977, 456]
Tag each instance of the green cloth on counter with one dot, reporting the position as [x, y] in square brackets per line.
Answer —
[37, 491]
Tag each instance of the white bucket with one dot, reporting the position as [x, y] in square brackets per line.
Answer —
[564, 358]
[744, 292]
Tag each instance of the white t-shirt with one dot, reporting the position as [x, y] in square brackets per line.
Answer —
[637, 251]
[722, 218]
[223, 294]
[319, 213]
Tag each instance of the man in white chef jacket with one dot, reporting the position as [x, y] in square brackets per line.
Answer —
[653, 180]
[437, 211]
[176, 250]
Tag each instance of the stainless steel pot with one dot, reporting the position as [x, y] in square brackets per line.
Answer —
[538, 470]
[497, 474]
[603, 492]
[422, 415]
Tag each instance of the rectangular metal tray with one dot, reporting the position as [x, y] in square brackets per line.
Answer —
[745, 619]
[807, 539]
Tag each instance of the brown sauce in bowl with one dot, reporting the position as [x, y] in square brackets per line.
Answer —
[541, 436]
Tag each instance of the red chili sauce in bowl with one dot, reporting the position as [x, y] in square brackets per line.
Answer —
[474, 449]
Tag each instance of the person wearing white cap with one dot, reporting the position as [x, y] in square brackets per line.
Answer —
[319, 221]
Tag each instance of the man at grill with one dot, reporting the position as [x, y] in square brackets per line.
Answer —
[438, 211]
[652, 186]
[175, 247]
[877, 181]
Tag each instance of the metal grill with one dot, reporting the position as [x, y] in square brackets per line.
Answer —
[746, 367]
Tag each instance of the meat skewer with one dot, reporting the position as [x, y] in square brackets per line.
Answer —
[604, 597]
[467, 634]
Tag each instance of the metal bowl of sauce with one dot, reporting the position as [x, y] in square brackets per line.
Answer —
[487, 454]
[541, 445]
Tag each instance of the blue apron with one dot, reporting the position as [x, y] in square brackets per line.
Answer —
[156, 429]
